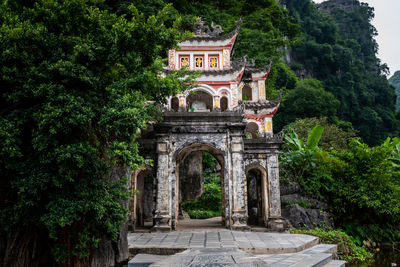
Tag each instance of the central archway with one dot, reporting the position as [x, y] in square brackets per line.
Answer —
[183, 158]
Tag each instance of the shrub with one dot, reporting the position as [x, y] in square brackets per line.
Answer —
[203, 214]
[348, 250]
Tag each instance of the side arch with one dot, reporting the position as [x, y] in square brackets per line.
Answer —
[204, 95]
[203, 87]
[262, 199]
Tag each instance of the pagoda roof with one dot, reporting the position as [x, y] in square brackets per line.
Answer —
[252, 73]
[269, 105]
[205, 37]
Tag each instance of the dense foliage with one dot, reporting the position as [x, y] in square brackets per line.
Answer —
[360, 184]
[74, 82]
[395, 81]
[348, 250]
[339, 49]
[334, 136]
[265, 32]
[308, 99]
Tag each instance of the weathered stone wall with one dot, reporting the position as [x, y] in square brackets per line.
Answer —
[215, 143]
[182, 136]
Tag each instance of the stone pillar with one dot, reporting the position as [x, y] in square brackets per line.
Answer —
[275, 221]
[132, 208]
[162, 216]
[182, 102]
[261, 90]
[217, 105]
[235, 94]
[268, 127]
[239, 215]
[226, 55]
[171, 59]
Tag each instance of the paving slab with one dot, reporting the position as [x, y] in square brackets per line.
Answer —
[239, 258]
[254, 242]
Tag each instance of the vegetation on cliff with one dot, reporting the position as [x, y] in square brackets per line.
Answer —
[339, 49]
[395, 81]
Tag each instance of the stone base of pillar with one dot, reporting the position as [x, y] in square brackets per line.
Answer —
[182, 109]
[278, 224]
[161, 222]
[240, 221]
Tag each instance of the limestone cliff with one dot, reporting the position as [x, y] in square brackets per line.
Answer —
[395, 81]
[346, 5]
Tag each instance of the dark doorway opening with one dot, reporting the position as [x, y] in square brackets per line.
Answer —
[254, 197]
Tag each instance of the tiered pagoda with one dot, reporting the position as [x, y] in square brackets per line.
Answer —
[224, 83]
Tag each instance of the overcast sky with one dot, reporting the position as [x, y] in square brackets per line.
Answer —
[387, 22]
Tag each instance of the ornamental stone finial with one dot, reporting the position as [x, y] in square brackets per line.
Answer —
[200, 29]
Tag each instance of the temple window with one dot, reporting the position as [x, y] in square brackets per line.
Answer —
[252, 130]
[224, 103]
[247, 93]
[184, 61]
[213, 62]
[199, 62]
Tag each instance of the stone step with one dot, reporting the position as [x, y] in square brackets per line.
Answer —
[320, 255]
[144, 260]
[314, 260]
[253, 242]
[321, 248]
[335, 263]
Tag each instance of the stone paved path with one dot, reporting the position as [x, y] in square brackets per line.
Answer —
[254, 242]
[320, 255]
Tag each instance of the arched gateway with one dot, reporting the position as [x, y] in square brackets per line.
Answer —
[213, 118]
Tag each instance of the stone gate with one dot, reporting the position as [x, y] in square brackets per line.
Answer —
[227, 115]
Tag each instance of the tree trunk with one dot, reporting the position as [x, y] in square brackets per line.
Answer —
[31, 246]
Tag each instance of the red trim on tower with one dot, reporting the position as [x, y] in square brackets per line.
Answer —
[203, 47]
[239, 78]
[215, 82]
[270, 115]
[257, 115]
[264, 77]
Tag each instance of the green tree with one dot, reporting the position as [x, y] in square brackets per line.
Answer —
[75, 79]
[333, 137]
[395, 81]
[308, 100]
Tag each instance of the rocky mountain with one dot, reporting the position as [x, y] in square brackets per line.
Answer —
[395, 81]
[340, 50]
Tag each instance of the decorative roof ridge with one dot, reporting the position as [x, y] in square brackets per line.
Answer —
[209, 37]
[261, 104]
[252, 69]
